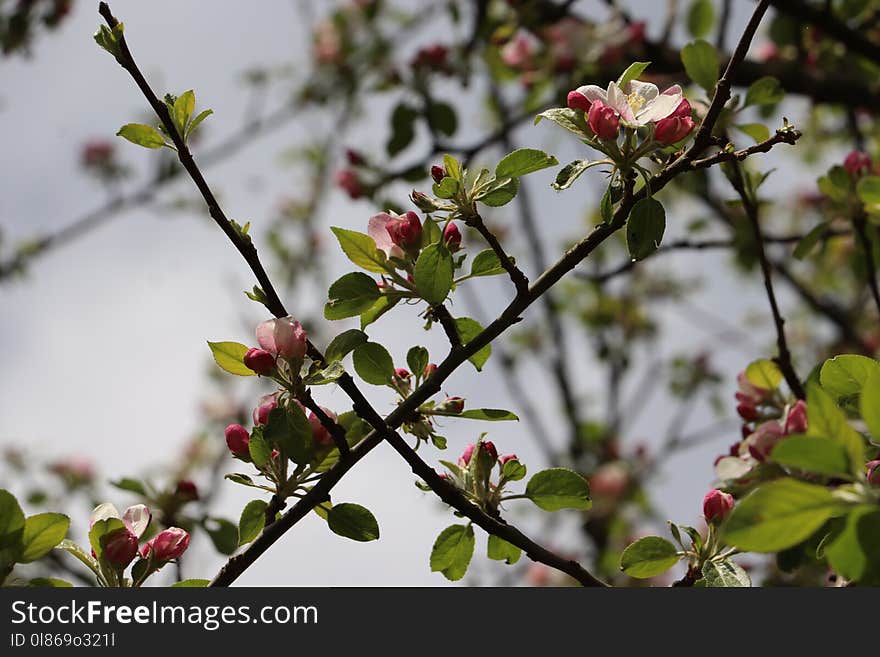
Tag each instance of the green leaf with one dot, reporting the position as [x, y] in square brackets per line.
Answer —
[417, 360]
[779, 514]
[195, 123]
[701, 63]
[567, 118]
[343, 344]
[868, 191]
[351, 295]
[764, 373]
[131, 485]
[353, 521]
[523, 161]
[453, 167]
[500, 193]
[373, 364]
[468, 329]
[645, 228]
[757, 131]
[836, 183]
[606, 206]
[433, 273]
[191, 584]
[72, 548]
[648, 557]
[571, 172]
[100, 530]
[252, 521]
[297, 441]
[824, 418]
[501, 550]
[361, 250]
[488, 414]
[142, 135]
[559, 488]
[632, 72]
[442, 118]
[12, 525]
[869, 404]
[183, 109]
[230, 357]
[223, 534]
[725, 573]
[700, 18]
[42, 532]
[259, 449]
[810, 240]
[49, 582]
[446, 188]
[513, 470]
[813, 454]
[764, 91]
[452, 551]
[844, 376]
[382, 306]
[403, 120]
[855, 552]
[486, 263]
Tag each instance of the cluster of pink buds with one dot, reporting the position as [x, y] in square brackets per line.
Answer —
[472, 474]
[857, 163]
[717, 505]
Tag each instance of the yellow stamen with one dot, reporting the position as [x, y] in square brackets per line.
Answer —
[636, 102]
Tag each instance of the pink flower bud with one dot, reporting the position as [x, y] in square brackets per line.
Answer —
[422, 201]
[452, 237]
[348, 181]
[167, 545]
[466, 455]
[260, 361]
[237, 440]
[402, 373]
[438, 173]
[603, 121]
[489, 447]
[873, 472]
[716, 505]
[119, 547]
[319, 431]
[507, 457]
[285, 337]
[856, 163]
[452, 405]
[406, 230]
[185, 490]
[430, 368]
[676, 126]
[796, 421]
[261, 412]
[576, 100]
[764, 439]
[747, 412]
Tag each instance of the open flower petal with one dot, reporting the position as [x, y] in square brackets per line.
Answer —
[103, 512]
[136, 518]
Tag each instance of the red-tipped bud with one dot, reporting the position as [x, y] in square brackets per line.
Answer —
[260, 361]
[452, 237]
[603, 121]
[676, 126]
[452, 405]
[405, 231]
[186, 491]
[167, 545]
[119, 547]
[261, 413]
[873, 471]
[507, 457]
[320, 433]
[857, 162]
[237, 440]
[466, 455]
[438, 173]
[402, 373]
[796, 420]
[765, 438]
[422, 201]
[577, 101]
[747, 412]
[430, 368]
[489, 447]
[717, 505]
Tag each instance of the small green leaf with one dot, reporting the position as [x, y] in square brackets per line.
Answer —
[645, 228]
[382, 306]
[803, 248]
[648, 557]
[223, 534]
[813, 454]
[843, 376]
[142, 135]
[824, 418]
[513, 470]
[42, 532]
[417, 360]
[488, 414]
[855, 552]
[486, 263]
[453, 167]
[252, 521]
[559, 488]
[452, 551]
[351, 295]
[100, 530]
[571, 172]
[230, 357]
[343, 344]
[353, 521]
[259, 449]
[725, 573]
[523, 161]
[373, 363]
[500, 193]
[764, 374]
[764, 91]
[700, 18]
[433, 273]
[701, 63]
[191, 584]
[869, 404]
[779, 514]
[868, 191]
[501, 550]
[192, 126]
[403, 119]
[446, 188]
[468, 329]
[183, 109]
[361, 250]
[442, 118]
[632, 72]
[131, 485]
[567, 118]
[12, 524]
[757, 131]
[49, 582]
